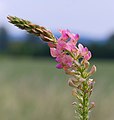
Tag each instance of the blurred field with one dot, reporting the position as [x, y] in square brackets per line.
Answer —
[33, 89]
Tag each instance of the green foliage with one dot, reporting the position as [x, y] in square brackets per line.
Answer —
[29, 45]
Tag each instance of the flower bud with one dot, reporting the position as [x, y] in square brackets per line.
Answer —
[74, 92]
[92, 105]
[82, 79]
[93, 70]
[70, 72]
[74, 80]
[90, 82]
[77, 64]
[90, 92]
[70, 82]
[80, 105]
[86, 64]
[74, 103]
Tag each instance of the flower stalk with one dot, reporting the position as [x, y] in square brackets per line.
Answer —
[85, 102]
[73, 58]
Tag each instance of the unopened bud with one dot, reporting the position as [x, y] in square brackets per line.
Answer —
[70, 82]
[86, 64]
[82, 79]
[74, 92]
[70, 72]
[90, 92]
[74, 103]
[77, 63]
[93, 70]
[74, 80]
[90, 82]
[80, 105]
[92, 105]
[79, 87]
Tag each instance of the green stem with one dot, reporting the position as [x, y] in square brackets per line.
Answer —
[85, 102]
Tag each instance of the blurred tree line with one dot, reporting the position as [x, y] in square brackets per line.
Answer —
[30, 45]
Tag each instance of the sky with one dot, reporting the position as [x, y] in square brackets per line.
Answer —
[94, 18]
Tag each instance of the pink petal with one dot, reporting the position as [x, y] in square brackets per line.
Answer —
[53, 52]
[88, 56]
[84, 51]
[61, 45]
[67, 60]
[59, 66]
[68, 47]
[58, 59]
[80, 46]
[77, 36]
[73, 36]
[64, 35]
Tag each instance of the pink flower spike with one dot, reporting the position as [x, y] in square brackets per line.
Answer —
[59, 66]
[53, 52]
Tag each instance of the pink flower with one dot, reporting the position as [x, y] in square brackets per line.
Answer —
[67, 60]
[70, 46]
[74, 37]
[88, 56]
[83, 51]
[61, 45]
[64, 35]
[65, 50]
[67, 34]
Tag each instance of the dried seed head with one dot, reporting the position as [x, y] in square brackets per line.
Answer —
[37, 30]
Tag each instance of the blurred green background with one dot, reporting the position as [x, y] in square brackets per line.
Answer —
[31, 88]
